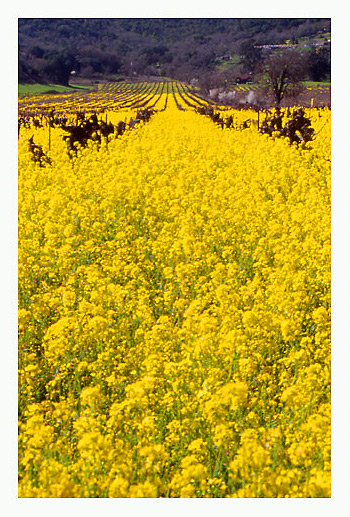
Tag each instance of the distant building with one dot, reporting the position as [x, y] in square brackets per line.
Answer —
[282, 45]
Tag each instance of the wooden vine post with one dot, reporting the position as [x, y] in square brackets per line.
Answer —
[49, 133]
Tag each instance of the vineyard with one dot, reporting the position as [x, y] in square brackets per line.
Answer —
[174, 296]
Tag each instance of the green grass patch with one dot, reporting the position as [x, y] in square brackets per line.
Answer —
[229, 63]
[35, 89]
[316, 84]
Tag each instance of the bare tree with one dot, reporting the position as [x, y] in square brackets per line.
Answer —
[284, 72]
[209, 80]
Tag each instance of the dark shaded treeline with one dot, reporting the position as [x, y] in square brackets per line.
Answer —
[181, 48]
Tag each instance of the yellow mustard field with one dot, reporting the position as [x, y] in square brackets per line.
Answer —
[174, 312]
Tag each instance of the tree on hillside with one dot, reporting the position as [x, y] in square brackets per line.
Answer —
[27, 74]
[208, 80]
[58, 66]
[250, 56]
[283, 74]
[319, 63]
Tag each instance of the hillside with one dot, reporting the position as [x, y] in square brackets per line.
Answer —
[49, 48]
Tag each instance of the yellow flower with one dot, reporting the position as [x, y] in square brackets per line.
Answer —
[174, 304]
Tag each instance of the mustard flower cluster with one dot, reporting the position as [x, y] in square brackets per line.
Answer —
[174, 313]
